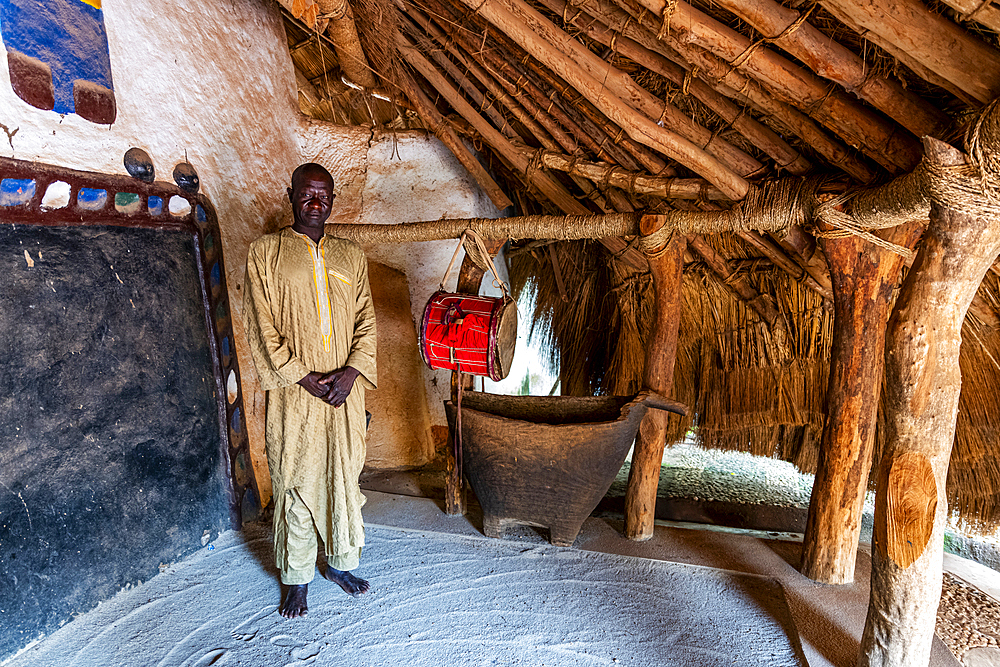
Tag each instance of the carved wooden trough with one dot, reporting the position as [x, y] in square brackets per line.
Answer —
[546, 460]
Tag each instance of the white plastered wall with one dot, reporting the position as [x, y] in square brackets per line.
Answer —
[213, 82]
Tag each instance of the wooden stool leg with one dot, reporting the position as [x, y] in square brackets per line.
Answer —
[564, 534]
[493, 526]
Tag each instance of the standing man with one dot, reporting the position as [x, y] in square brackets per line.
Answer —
[311, 326]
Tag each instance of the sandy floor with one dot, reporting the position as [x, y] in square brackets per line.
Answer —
[444, 595]
[437, 599]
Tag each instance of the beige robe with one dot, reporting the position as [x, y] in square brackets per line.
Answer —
[308, 307]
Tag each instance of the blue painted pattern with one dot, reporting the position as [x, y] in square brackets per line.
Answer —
[91, 199]
[16, 191]
[155, 205]
[66, 35]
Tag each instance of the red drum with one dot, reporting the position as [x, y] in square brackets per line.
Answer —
[471, 334]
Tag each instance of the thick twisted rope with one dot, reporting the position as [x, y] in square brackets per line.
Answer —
[770, 206]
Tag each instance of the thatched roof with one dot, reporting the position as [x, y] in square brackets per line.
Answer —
[597, 106]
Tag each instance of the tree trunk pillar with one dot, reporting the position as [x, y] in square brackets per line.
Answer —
[922, 386]
[863, 277]
[667, 267]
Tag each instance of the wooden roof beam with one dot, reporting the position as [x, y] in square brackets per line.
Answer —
[646, 107]
[344, 33]
[541, 125]
[983, 12]
[538, 36]
[632, 181]
[547, 185]
[460, 78]
[612, 135]
[931, 40]
[873, 134]
[832, 61]
[761, 136]
[499, 65]
[728, 81]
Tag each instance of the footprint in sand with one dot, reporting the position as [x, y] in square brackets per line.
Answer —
[213, 657]
[308, 651]
[286, 641]
[303, 654]
[245, 631]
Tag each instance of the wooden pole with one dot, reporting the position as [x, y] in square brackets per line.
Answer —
[863, 277]
[667, 267]
[922, 385]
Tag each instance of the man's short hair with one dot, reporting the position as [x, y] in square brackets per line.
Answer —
[310, 167]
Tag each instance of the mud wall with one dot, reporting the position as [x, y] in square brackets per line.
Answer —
[214, 84]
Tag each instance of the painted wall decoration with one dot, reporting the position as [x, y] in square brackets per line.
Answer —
[57, 54]
[124, 437]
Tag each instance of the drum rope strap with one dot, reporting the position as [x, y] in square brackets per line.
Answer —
[477, 252]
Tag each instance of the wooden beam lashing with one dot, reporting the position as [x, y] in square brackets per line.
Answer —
[983, 12]
[922, 386]
[667, 267]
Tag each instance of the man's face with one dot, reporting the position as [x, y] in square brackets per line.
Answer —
[312, 199]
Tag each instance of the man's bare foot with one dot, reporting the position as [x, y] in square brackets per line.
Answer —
[352, 585]
[294, 605]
